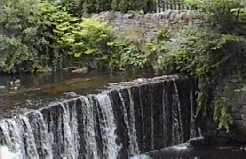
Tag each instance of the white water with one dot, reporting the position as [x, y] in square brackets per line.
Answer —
[87, 127]
[40, 131]
[5, 153]
[133, 137]
[71, 134]
[108, 127]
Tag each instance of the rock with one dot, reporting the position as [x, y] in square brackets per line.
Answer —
[80, 70]
[2, 87]
[70, 95]
[220, 140]
[18, 81]
[199, 141]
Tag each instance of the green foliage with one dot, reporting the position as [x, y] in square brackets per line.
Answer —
[163, 35]
[222, 12]
[136, 5]
[14, 54]
[114, 5]
[194, 4]
[18, 32]
[86, 40]
[28, 27]
[74, 6]
[127, 56]
[80, 7]
[54, 17]
[201, 53]
[222, 114]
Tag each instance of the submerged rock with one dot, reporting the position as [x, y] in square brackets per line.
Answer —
[80, 70]
[69, 95]
[217, 141]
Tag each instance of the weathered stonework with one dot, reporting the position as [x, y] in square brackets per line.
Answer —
[145, 27]
[232, 88]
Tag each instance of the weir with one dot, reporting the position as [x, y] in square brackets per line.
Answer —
[125, 120]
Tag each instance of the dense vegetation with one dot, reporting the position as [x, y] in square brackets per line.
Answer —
[207, 53]
[37, 35]
[81, 7]
[40, 35]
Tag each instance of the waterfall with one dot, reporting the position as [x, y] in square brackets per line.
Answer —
[87, 129]
[126, 120]
[107, 127]
[40, 132]
[129, 118]
[17, 134]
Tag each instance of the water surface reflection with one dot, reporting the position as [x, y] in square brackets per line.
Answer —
[18, 93]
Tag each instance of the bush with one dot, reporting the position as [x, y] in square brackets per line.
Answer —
[81, 7]
[86, 41]
[220, 12]
[19, 23]
[28, 36]
[54, 17]
[202, 53]
[222, 114]
[196, 51]
[15, 55]
[91, 41]
[50, 37]
[127, 56]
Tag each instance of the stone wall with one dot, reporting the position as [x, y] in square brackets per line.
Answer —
[232, 89]
[145, 27]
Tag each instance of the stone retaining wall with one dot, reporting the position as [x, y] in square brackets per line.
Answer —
[145, 27]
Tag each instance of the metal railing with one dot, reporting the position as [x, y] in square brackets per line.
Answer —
[163, 5]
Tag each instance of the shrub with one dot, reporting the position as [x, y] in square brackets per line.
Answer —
[54, 17]
[201, 53]
[15, 55]
[127, 56]
[19, 21]
[86, 41]
[28, 27]
[220, 12]
[222, 114]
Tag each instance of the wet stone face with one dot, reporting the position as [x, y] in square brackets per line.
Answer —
[184, 151]
[128, 119]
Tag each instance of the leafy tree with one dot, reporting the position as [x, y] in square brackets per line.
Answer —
[103, 5]
[53, 16]
[127, 56]
[219, 11]
[86, 40]
[115, 5]
[123, 6]
[74, 6]
[203, 53]
[14, 55]
[19, 21]
[149, 6]
[89, 6]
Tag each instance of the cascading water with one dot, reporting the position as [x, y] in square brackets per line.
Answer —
[107, 127]
[40, 132]
[87, 127]
[129, 119]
